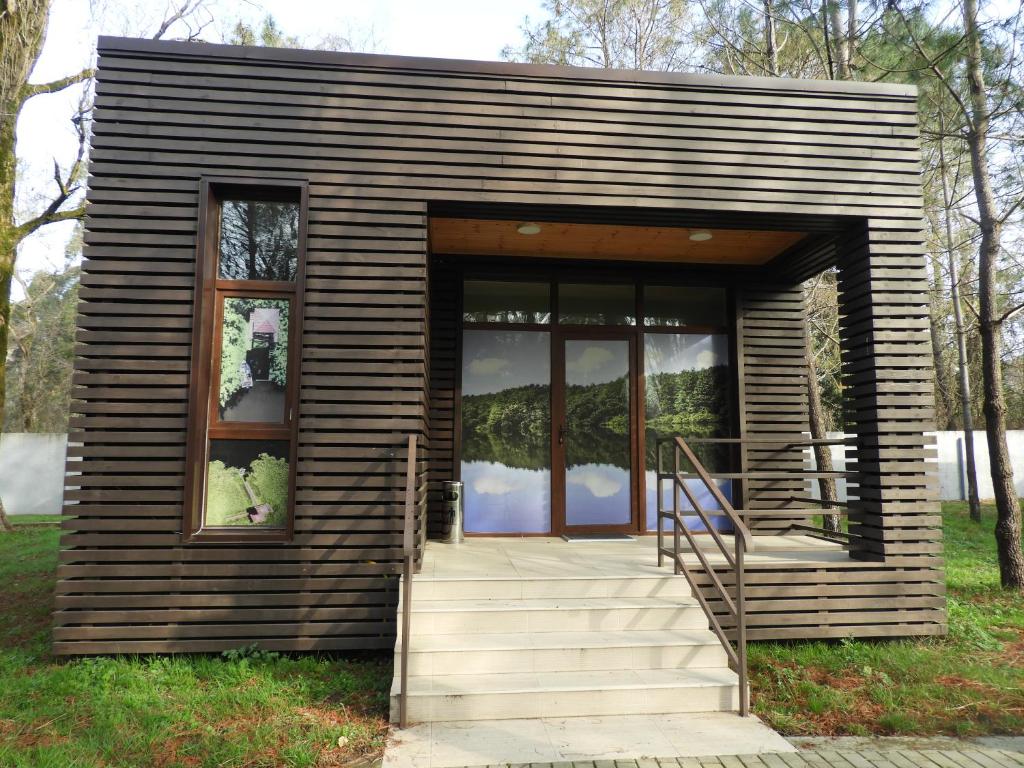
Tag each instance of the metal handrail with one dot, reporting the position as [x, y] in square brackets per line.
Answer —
[742, 543]
[408, 557]
[786, 444]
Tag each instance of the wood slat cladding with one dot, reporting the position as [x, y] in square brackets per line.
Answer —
[770, 327]
[445, 321]
[488, 237]
[888, 376]
[380, 141]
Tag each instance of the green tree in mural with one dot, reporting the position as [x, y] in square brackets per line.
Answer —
[234, 343]
[268, 478]
[513, 426]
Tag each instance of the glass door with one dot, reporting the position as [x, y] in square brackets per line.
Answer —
[593, 433]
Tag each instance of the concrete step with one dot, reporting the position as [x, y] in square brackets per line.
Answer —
[472, 654]
[568, 694]
[446, 617]
[516, 588]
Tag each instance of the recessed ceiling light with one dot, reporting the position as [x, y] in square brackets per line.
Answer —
[700, 237]
[528, 228]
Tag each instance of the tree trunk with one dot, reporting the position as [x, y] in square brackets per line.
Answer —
[822, 453]
[945, 417]
[1008, 518]
[771, 48]
[22, 31]
[4, 522]
[963, 372]
[842, 44]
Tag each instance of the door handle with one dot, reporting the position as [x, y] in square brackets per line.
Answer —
[561, 434]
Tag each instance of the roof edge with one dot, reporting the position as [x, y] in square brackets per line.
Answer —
[108, 44]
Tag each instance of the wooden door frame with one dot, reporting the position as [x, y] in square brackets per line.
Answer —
[560, 334]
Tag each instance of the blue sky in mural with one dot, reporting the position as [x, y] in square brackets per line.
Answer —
[673, 352]
[493, 360]
[596, 362]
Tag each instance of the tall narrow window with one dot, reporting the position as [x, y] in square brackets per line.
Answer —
[240, 475]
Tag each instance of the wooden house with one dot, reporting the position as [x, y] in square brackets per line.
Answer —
[545, 275]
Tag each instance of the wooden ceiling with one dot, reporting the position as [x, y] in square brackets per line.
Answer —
[487, 237]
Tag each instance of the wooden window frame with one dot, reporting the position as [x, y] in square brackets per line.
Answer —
[204, 422]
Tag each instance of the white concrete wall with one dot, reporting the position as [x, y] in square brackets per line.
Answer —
[32, 473]
[952, 464]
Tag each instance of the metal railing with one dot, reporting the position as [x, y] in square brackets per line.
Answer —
[742, 543]
[408, 559]
[786, 446]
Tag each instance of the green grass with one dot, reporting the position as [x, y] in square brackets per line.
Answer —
[968, 683]
[250, 709]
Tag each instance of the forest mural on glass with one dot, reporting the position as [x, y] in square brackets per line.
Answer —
[247, 483]
[597, 451]
[688, 392]
[506, 431]
[254, 360]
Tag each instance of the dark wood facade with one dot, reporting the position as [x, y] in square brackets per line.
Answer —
[384, 143]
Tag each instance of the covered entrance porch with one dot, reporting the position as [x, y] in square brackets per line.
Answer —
[559, 370]
[576, 346]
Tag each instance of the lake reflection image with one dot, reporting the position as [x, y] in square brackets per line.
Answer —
[597, 480]
[506, 431]
[688, 392]
[506, 425]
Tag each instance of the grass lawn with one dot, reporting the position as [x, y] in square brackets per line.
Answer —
[968, 683]
[250, 710]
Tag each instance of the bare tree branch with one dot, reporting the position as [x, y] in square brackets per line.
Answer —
[55, 86]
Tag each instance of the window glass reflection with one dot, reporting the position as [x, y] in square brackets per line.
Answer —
[596, 304]
[684, 305]
[258, 240]
[493, 301]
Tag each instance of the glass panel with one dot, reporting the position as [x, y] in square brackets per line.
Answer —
[258, 240]
[687, 391]
[489, 301]
[254, 360]
[506, 431]
[597, 478]
[247, 484]
[678, 305]
[596, 304]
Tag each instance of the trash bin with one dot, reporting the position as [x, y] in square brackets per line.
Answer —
[452, 533]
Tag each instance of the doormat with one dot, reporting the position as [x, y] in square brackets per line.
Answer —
[574, 538]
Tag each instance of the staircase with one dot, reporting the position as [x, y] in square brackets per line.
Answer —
[514, 647]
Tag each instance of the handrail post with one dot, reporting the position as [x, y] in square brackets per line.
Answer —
[676, 533]
[741, 629]
[660, 504]
[408, 555]
[733, 605]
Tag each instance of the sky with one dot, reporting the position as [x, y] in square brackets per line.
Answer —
[461, 29]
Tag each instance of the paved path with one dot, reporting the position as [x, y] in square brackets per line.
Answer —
[969, 756]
